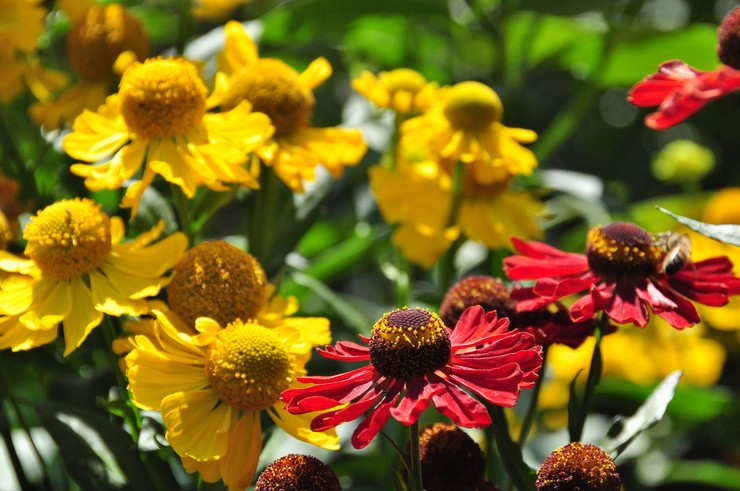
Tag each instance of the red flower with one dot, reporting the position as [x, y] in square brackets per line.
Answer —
[680, 90]
[622, 274]
[414, 361]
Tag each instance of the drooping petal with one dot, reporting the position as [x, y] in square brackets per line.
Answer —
[238, 466]
[299, 426]
[419, 393]
[376, 419]
[198, 423]
[457, 405]
[82, 318]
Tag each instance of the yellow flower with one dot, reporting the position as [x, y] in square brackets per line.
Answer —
[21, 23]
[722, 207]
[419, 197]
[643, 356]
[286, 96]
[102, 41]
[212, 385]
[158, 120]
[78, 269]
[403, 90]
[466, 127]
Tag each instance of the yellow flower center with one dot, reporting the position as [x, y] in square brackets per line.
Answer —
[623, 249]
[402, 80]
[217, 280]
[409, 342]
[69, 238]
[273, 88]
[472, 106]
[162, 97]
[248, 366]
[100, 36]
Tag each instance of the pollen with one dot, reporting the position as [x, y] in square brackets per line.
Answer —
[472, 106]
[218, 280]
[162, 97]
[622, 249]
[273, 88]
[402, 80]
[248, 366]
[409, 342]
[68, 238]
[99, 36]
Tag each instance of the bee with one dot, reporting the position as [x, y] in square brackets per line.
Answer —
[676, 251]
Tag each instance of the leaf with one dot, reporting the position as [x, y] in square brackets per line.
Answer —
[726, 232]
[705, 473]
[646, 416]
[97, 453]
[574, 408]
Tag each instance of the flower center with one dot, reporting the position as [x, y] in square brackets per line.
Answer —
[217, 280]
[100, 36]
[486, 291]
[248, 366]
[298, 472]
[578, 466]
[622, 249]
[402, 80]
[450, 459]
[162, 97]
[273, 88]
[409, 342]
[68, 238]
[472, 106]
[729, 39]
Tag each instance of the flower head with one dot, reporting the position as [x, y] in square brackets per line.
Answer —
[682, 161]
[218, 280]
[286, 96]
[549, 324]
[728, 48]
[450, 459]
[101, 43]
[404, 90]
[158, 120]
[298, 473]
[465, 126]
[578, 466]
[680, 90]
[79, 269]
[414, 360]
[212, 383]
[419, 197]
[21, 24]
[625, 272]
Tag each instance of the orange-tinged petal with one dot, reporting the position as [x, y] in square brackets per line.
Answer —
[239, 464]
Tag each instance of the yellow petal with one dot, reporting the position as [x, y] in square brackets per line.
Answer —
[108, 298]
[82, 317]
[299, 426]
[17, 337]
[152, 378]
[245, 444]
[198, 423]
[150, 261]
[52, 303]
[315, 74]
[239, 49]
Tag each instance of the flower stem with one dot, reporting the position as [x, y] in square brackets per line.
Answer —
[511, 455]
[594, 375]
[415, 481]
[532, 410]
[183, 213]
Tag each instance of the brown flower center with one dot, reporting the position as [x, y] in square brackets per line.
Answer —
[486, 291]
[100, 36]
[298, 473]
[578, 466]
[409, 342]
[622, 249]
[273, 88]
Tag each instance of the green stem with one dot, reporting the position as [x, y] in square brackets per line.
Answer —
[511, 455]
[185, 26]
[594, 375]
[415, 481]
[261, 226]
[183, 213]
[532, 410]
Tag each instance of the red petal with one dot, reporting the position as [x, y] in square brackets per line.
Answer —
[627, 307]
[538, 260]
[346, 351]
[418, 396]
[375, 420]
[459, 406]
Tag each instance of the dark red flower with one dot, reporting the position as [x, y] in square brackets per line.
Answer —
[623, 275]
[414, 361]
[680, 90]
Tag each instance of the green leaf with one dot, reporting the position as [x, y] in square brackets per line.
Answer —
[97, 453]
[726, 232]
[640, 56]
[704, 473]
[574, 408]
[646, 416]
